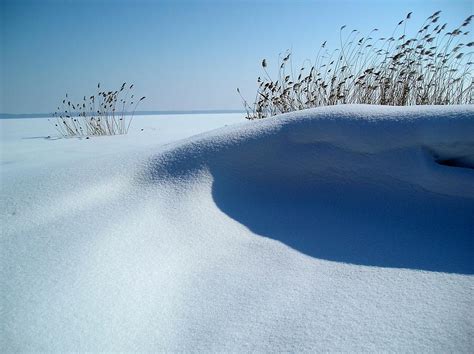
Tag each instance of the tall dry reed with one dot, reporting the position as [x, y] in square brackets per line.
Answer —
[105, 113]
[431, 67]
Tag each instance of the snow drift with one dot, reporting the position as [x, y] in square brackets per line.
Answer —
[343, 228]
[391, 186]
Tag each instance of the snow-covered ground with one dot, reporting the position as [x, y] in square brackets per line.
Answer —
[344, 228]
[24, 142]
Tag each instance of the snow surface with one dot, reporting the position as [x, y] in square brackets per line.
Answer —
[345, 228]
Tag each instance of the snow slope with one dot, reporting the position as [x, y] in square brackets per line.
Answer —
[345, 228]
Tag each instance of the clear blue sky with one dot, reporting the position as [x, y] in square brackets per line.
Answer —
[182, 55]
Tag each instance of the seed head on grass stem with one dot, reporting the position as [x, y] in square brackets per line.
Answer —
[99, 115]
[434, 66]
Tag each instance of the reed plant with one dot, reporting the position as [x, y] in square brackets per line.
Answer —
[105, 113]
[431, 67]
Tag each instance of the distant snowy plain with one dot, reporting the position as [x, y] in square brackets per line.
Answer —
[347, 228]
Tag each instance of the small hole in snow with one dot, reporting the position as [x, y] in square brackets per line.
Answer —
[455, 162]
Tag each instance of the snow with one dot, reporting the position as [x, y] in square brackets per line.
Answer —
[343, 228]
[25, 142]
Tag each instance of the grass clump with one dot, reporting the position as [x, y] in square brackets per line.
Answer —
[432, 67]
[104, 113]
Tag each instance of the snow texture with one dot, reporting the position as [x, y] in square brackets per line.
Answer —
[346, 228]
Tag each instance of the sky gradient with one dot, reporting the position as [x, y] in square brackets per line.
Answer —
[182, 55]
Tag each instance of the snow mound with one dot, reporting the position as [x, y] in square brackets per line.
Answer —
[343, 228]
[383, 186]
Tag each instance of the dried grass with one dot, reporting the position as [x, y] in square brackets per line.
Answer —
[433, 67]
[105, 113]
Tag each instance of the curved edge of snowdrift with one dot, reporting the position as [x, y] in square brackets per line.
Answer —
[431, 147]
[368, 185]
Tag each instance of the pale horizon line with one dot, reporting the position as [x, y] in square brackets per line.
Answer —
[149, 112]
